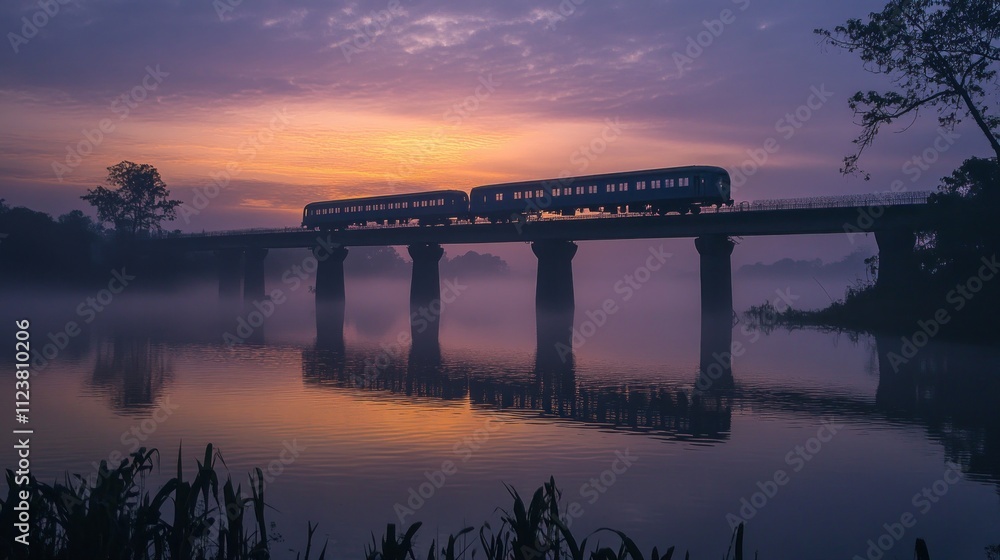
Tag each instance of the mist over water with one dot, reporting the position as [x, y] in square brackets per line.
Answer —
[372, 420]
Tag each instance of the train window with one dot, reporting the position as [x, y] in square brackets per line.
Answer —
[517, 195]
[555, 192]
[622, 187]
[684, 182]
[527, 194]
[539, 193]
[640, 186]
[656, 184]
[441, 201]
[579, 190]
[609, 188]
[592, 189]
[499, 196]
[669, 183]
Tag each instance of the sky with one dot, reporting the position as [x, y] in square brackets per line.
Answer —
[252, 108]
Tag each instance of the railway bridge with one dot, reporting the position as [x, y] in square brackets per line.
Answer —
[894, 219]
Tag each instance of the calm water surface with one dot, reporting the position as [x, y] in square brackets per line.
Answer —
[487, 403]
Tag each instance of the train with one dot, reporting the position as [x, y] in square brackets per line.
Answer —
[652, 191]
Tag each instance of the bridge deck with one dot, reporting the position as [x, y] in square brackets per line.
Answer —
[781, 217]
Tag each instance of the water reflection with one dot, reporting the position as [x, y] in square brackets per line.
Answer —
[953, 390]
[132, 369]
[552, 390]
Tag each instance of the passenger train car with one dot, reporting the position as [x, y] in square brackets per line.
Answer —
[678, 189]
[657, 191]
[428, 208]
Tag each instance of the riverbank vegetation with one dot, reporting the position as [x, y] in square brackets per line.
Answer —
[938, 55]
[115, 515]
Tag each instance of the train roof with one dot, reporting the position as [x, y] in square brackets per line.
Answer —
[605, 176]
[391, 197]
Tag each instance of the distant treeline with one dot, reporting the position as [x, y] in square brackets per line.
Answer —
[74, 250]
[386, 261]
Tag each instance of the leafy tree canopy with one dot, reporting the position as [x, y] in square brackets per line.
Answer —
[138, 203]
[938, 53]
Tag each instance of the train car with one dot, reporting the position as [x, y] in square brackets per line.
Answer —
[428, 208]
[676, 189]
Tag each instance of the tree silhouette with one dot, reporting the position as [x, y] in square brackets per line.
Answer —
[139, 203]
[938, 53]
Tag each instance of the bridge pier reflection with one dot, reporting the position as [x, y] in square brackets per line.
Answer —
[230, 263]
[897, 266]
[331, 294]
[425, 292]
[253, 275]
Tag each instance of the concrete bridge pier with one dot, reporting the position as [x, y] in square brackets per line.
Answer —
[253, 275]
[554, 298]
[425, 293]
[716, 312]
[331, 296]
[897, 265]
[230, 263]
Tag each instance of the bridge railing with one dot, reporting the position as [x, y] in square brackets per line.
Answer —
[223, 232]
[840, 201]
[811, 203]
